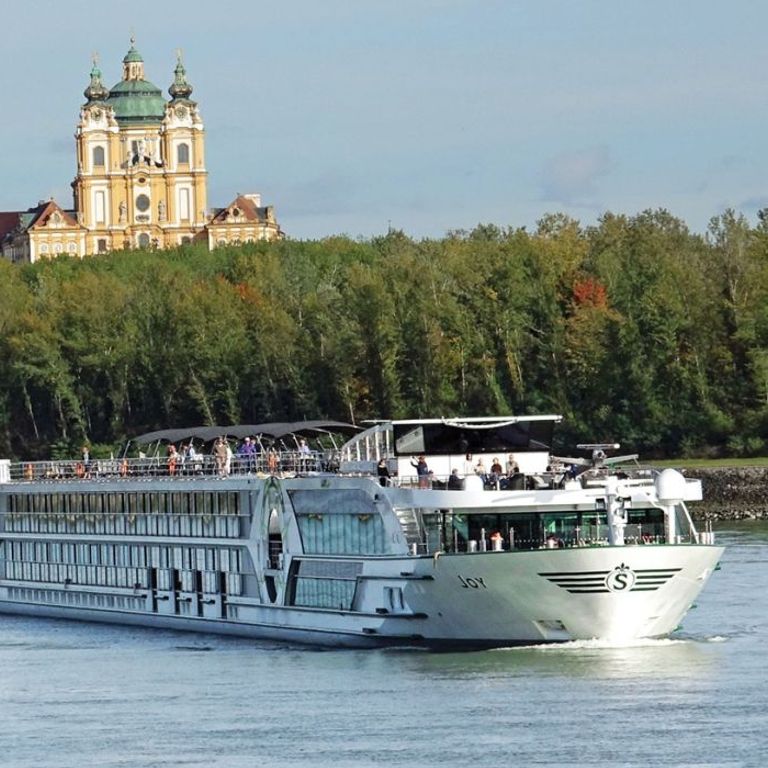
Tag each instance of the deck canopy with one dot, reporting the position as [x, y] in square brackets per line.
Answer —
[273, 430]
[440, 437]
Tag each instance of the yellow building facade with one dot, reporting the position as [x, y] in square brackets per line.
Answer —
[141, 178]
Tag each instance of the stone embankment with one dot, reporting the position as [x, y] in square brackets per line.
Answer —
[731, 493]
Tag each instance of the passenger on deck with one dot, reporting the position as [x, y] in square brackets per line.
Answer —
[220, 450]
[496, 470]
[480, 470]
[192, 461]
[455, 483]
[247, 455]
[173, 459]
[512, 467]
[304, 455]
[273, 461]
[422, 471]
[383, 472]
[469, 467]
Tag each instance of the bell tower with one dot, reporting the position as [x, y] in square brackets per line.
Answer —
[141, 178]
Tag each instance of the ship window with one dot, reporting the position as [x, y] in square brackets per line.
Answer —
[339, 522]
[183, 153]
[98, 156]
[394, 599]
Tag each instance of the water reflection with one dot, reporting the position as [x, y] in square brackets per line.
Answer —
[584, 659]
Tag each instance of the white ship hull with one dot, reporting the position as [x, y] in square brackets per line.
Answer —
[480, 600]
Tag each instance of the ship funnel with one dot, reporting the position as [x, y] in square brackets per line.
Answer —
[670, 487]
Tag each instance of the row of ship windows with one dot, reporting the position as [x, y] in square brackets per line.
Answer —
[197, 526]
[199, 558]
[93, 600]
[126, 503]
[161, 579]
[80, 599]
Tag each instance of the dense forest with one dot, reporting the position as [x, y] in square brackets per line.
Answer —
[634, 329]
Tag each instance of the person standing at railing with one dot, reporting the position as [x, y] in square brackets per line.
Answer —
[383, 472]
[273, 461]
[422, 471]
[247, 453]
[220, 450]
[173, 459]
[304, 455]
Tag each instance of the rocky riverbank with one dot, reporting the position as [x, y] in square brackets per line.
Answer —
[731, 493]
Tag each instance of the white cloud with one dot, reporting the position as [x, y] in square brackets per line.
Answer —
[571, 177]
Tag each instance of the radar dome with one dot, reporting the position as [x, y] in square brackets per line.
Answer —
[670, 486]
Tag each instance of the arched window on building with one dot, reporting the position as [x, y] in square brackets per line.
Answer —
[182, 153]
[98, 157]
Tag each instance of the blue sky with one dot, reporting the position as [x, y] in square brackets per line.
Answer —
[427, 116]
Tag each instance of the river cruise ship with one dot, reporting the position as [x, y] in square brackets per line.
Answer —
[440, 533]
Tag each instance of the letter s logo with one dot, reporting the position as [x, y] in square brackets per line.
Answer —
[620, 579]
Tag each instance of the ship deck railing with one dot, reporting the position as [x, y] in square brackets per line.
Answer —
[286, 464]
[283, 463]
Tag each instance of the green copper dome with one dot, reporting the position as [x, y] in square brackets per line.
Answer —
[132, 55]
[136, 101]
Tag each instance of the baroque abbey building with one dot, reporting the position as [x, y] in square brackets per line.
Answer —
[141, 179]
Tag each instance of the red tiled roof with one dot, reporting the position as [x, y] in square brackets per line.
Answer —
[8, 221]
[247, 207]
[46, 211]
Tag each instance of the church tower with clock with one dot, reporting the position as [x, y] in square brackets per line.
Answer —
[141, 177]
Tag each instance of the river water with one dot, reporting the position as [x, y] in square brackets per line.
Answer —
[80, 695]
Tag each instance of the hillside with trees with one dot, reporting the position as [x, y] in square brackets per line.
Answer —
[634, 329]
